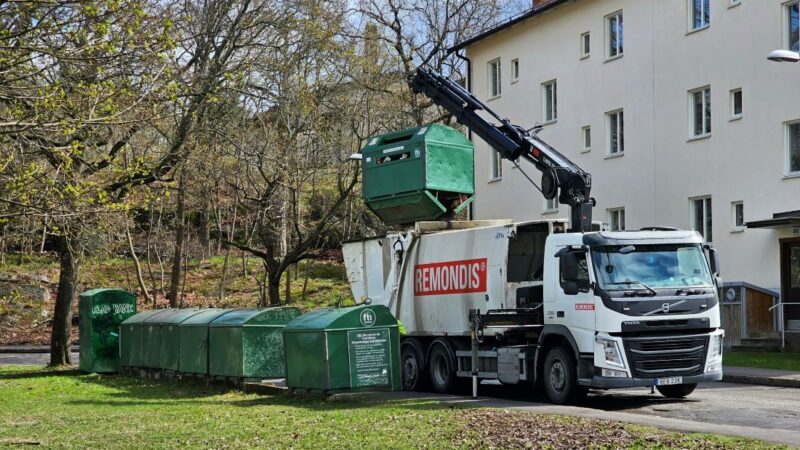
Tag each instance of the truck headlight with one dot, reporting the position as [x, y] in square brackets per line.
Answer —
[611, 351]
[716, 347]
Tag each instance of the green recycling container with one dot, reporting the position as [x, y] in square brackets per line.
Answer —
[247, 343]
[130, 339]
[101, 313]
[418, 174]
[151, 339]
[193, 357]
[332, 350]
[170, 337]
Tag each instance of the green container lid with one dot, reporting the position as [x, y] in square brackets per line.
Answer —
[326, 319]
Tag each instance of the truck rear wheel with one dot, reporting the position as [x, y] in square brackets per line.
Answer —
[677, 390]
[560, 377]
[442, 366]
[412, 359]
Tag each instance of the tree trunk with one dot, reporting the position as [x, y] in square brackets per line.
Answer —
[137, 266]
[180, 230]
[288, 293]
[204, 231]
[274, 290]
[62, 315]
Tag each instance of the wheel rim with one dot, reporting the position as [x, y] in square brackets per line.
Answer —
[410, 370]
[441, 373]
[558, 375]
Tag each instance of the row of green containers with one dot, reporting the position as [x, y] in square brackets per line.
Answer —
[326, 350]
[237, 343]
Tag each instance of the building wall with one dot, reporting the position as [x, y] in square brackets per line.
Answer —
[662, 168]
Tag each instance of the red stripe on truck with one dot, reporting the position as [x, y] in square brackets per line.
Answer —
[450, 277]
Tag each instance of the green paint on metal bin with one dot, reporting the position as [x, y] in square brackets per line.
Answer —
[247, 343]
[151, 339]
[339, 349]
[101, 313]
[193, 358]
[418, 174]
[130, 339]
[170, 336]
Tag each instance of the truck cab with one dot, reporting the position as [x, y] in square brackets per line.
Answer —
[636, 308]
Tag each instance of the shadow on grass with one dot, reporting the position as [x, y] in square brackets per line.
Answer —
[40, 373]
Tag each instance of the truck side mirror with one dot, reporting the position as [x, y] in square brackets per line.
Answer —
[570, 288]
[713, 260]
[568, 266]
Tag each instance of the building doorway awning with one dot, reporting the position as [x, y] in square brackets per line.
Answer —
[779, 220]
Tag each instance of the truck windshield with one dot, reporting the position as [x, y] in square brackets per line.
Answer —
[657, 266]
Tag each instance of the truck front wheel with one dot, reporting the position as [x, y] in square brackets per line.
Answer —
[412, 358]
[442, 366]
[561, 377]
[677, 390]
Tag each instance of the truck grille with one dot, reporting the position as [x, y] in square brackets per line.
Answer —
[653, 357]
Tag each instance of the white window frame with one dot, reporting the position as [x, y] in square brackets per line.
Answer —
[620, 44]
[586, 132]
[706, 199]
[787, 24]
[734, 114]
[788, 138]
[495, 166]
[619, 216]
[554, 97]
[495, 78]
[620, 129]
[514, 70]
[586, 50]
[705, 105]
[690, 8]
[550, 206]
[737, 228]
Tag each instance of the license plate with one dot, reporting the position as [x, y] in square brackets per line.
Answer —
[667, 381]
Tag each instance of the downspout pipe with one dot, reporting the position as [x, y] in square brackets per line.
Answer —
[460, 56]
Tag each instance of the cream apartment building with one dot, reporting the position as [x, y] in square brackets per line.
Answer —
[673, 108]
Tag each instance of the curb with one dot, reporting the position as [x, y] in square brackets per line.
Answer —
[31, 349]
[762, 381]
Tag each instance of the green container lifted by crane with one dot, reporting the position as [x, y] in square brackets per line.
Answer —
[339, 349]
[418, 174]
[101, 313]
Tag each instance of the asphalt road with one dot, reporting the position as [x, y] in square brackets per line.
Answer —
[761, 412]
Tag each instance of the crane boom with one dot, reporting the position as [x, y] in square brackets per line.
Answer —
[560, 177]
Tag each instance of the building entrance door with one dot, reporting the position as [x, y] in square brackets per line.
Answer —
[790, 280]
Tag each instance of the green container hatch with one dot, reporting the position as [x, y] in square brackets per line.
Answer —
[170, 336]
[130, 339]
[193, 357]
[101, 313]
[331, 350]
[418, 174]
[247, 343]
[151, 339]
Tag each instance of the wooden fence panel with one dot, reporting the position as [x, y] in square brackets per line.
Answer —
[732, 323]
[760, 320]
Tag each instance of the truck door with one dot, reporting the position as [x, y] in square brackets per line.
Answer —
[575, 305]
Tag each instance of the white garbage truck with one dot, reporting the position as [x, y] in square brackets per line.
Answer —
[562, 304]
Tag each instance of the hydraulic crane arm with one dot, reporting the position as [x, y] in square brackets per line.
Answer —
[560, 177]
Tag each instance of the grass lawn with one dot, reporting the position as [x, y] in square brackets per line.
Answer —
[783, 361]
[68, 409]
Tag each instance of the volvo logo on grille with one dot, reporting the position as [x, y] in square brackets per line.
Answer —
[665, 308]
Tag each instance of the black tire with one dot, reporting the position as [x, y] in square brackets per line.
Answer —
[442, 366]
[412, 365]
[677, 390]
[560, 377]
